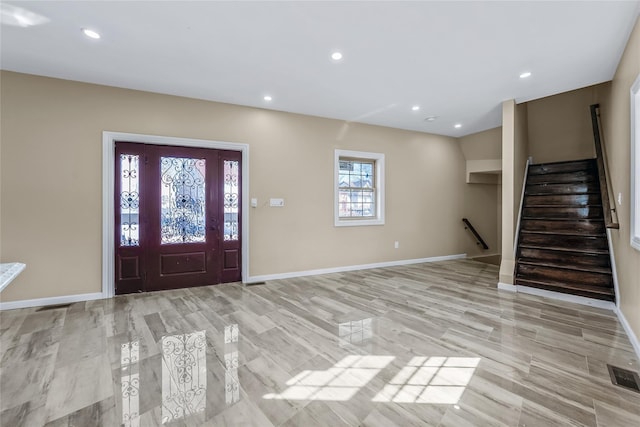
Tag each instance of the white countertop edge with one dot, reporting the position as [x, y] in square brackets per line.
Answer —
[8, 272]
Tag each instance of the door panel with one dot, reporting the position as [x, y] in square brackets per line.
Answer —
[187, 220]
[194, 262]
[182, 189]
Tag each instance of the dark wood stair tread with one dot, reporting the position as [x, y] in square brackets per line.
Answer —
[570, 257]
[564, 233]
[563, 167]
[562, 188]
[570, 219]
[552, 206]
[572, 249]
[598, 292]
[562, 178]
[564, 266]
[574, 200]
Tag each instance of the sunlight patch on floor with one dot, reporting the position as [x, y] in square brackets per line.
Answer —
[338, 383]
[435, 380]
[430, 380]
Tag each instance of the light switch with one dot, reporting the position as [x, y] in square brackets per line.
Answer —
[620, 199]
[254, 203]
[278, 203]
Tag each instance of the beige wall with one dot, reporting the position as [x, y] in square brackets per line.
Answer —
[616, 126]
[51, 137]
[485, 145]
[481, 201]
[514, 158]
[559, 126]
[481, 208]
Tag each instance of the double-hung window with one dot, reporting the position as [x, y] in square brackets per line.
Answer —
[359, 188]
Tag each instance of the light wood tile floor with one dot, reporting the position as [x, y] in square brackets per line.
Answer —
[423, 345]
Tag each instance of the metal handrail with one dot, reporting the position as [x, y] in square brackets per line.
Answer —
[469, 227]
[603, 173]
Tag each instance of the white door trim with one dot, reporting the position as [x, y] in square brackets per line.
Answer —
[108, 188]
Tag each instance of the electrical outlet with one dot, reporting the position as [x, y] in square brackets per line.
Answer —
[396, 244]
[277, 203]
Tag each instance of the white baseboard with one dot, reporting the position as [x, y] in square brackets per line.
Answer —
[614, 271]
[484, 255]
[38, 302]
[266, 277]
[607, 305]
[99, 295]
[507, 287]
[630, 332]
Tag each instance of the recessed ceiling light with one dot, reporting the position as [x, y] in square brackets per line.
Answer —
[267, 98]
[90, 33]
[431, 119]
[457, 125]
[415, 107]
[525, 75]
[336, 56]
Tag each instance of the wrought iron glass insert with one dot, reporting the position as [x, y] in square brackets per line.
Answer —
[130, 383]
[231, 380]
[129, 200]
[184, 375]
[183, 201]
[356, 187]
[231, 199]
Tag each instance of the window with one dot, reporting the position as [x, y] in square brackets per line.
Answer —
[635, 164]
[359, 188]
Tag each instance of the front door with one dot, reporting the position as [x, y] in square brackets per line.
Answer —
[177, 217]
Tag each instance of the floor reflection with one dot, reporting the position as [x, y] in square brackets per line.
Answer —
[232, 383]
[130, 383]
[356, 332]
[184, 375]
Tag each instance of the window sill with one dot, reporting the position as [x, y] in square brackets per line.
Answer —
[357, 222]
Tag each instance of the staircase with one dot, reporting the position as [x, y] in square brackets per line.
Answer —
[562, 245]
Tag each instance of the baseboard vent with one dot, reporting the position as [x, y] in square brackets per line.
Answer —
[624, 378]
[54, 307]
[255, 283]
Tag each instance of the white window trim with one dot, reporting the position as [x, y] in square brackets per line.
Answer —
[635, 164]
[379, 162]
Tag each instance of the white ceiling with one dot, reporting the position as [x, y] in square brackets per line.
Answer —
[457, 60]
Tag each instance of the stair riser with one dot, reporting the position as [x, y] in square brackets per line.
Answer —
[586, 294]
[562, 199]
[579, 226]
[564, 276]
[568, 242]
[582, 188]
[561, 178]
[587, 212]
[563, 167]
[569, 258]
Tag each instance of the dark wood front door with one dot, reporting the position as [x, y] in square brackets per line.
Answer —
[177, 219]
